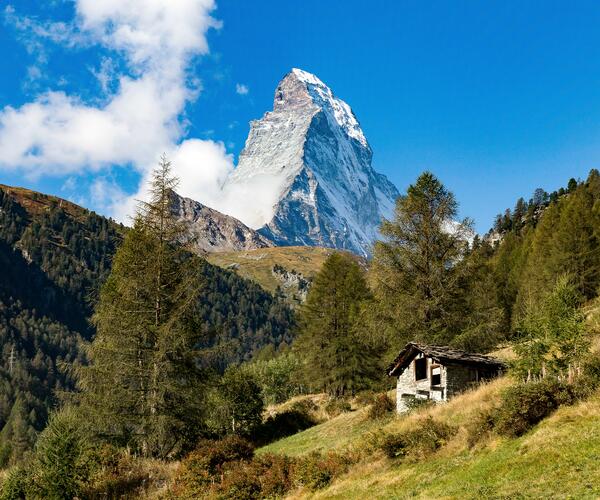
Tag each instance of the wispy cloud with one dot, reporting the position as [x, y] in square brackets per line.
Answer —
[241, 89]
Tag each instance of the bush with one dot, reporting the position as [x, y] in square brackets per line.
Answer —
[306, 406]
[525, 404]
[206, 463]
[480, 426]
[267, 476]
[414, 404]
[119, 474]
[429, 436]
[14, 486]
[215, 470]
[315, 471]
[337, 406]
[276, 473]
[365, 398]
[240, 483]
[283, 424]
[381, 407]
[589, 380]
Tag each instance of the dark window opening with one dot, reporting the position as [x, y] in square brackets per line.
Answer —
[420, 369]
[436, 375]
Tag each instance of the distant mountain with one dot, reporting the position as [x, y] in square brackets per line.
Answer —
[214, 231]
[309, 165]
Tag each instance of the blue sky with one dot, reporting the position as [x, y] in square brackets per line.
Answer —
[496, 98]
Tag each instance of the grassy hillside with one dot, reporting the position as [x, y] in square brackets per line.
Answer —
[258, 265]
[557, 459]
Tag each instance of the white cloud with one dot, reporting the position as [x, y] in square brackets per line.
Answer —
[58, 134]
[241, 89]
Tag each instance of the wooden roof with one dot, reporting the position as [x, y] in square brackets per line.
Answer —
[441, 354]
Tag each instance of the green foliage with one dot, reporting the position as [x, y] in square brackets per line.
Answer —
[415, 404]
[315, 470]
[413, 271]
[555, 338]
[206, 464]
[337, 406]
[50, 261]
[426, 438]
[54, 258]
[238, 318]
[236, 404]
[15, 484]
[61, 467]
[524, 405]
[481, 322]
[558, 236]
[382, 406]
[277, 377]
[338, 357]
[142, 386]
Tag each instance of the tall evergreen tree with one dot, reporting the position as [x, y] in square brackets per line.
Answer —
[414, 270]
[142, 386]
[338, 357]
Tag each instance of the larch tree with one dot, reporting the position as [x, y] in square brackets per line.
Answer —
[554, 337]
[142, 387]
[414, 273]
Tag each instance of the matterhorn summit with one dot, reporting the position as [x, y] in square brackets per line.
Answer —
[306, 169]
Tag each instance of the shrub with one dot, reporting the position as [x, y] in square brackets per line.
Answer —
[267, 476]
[337, 406]
[276, 473]
[589, 379]
[240, 483]
[119, 474]
[414, 404]
[315, 471]
[365, 398]
[307, 406]
[381, 407]
[481, 425]
[203, 466]
[525, 404]
[429, 436]
[14, 486]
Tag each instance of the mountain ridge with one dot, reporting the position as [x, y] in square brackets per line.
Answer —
[316, 162]
[214, 231]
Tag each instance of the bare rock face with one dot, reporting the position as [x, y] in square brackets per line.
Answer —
[308, 164]
[214, 231]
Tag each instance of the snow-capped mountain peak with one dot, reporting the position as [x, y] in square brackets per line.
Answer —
[322, 95]
[307, 165]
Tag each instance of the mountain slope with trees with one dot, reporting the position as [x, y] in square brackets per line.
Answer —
[54, 257]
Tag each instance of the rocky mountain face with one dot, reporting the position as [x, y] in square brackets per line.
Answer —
[213, 231]
[308, 164]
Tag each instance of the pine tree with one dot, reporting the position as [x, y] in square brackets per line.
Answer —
[338, 357]
[414, 270]
[142, 386]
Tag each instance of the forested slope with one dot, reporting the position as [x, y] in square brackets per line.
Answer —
[54, 256]
[551, 235]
